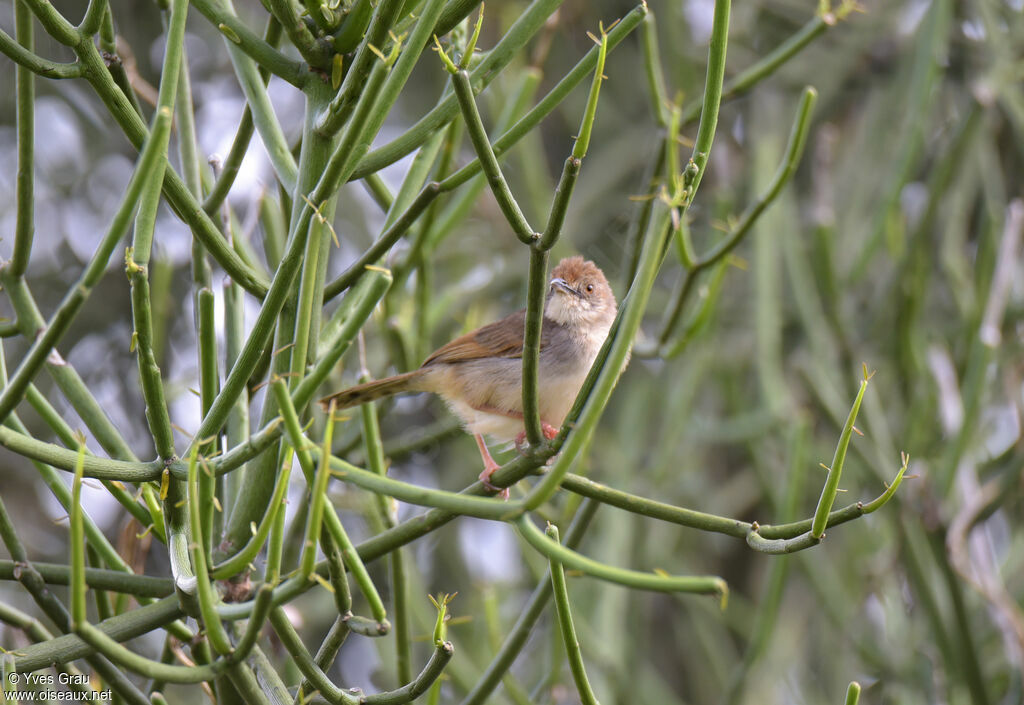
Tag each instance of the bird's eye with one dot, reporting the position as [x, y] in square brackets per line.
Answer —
[590, 288]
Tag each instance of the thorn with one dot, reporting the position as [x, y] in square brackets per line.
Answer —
[323, 581]
[858, 431]
[826, 467]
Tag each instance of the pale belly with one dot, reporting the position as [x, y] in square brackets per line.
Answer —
[496, 410]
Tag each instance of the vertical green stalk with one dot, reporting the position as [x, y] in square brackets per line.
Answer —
[712, 94]
[330, 518]
[24, 228]
[565, 625]
[828, 493]
[208, 387]
[319, 496]
[488, 161]
[237, 431]
[386, 506]
[536, 286]
[77, 539]
[516, 637]
[251, 504]
[310, 299]
[537, 280]
[214, 628]
[652, 66]
[137, 259]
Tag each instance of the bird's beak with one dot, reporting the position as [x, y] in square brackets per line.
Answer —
[560, 284]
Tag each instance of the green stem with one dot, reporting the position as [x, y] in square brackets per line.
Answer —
[133, 662]
[516, 637]
[530, 22]
[794, 150]
[387, 510]
[149, 162]
[705, 585]
[480, 507]
[24, 228]
[565, 625]
[95, 578]
[338, 535]
[489, 162]
[407, 693]
[222, 16]
[55, 24]
[354, 88]
[264, 118]
[765, 66]
[828, 493]
[712, 93]
[293, 645]
[298, 33]
[176, 192]
[384, 243]
[25, 59]
[318, 492]
[123, 627]
[536, 287]
[138, 257]
[93, 17]
[213, 627]
[63, 459]
[652, 67]
[241, 560]
[77, 541]
[597, 389]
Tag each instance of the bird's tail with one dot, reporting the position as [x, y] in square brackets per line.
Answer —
[371, 391]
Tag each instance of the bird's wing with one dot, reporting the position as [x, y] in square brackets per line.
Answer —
[502, 338]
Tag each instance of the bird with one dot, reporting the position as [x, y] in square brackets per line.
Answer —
[479, 375]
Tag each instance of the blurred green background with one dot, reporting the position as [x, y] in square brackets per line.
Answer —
[890, 248]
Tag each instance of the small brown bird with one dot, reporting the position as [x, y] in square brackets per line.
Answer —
[479, 375]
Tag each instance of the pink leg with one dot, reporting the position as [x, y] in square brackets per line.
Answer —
[489, 467]
[547, 429]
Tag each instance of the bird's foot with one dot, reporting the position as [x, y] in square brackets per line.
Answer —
[485, 478]
[489, 468]
[547, 429]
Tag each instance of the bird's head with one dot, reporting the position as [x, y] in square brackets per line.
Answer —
[579, 294]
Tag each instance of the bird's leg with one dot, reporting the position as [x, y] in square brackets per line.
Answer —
[547, 429]
[489, 467]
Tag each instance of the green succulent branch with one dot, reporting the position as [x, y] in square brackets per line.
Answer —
[239, 552]
[565, 624]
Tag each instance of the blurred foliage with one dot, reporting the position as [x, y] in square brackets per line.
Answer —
[897, 245]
